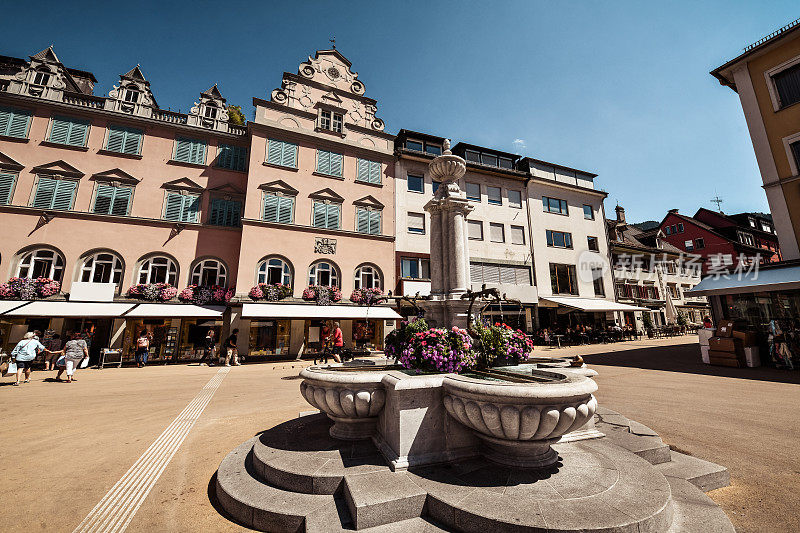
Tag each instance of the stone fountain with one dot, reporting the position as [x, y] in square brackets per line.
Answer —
[520, 448]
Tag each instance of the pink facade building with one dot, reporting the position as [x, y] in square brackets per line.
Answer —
[107, 193]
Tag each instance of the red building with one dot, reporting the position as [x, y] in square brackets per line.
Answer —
[721, 239]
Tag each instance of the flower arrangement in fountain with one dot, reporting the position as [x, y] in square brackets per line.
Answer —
[439, 350]
[29, 289]
[201, 295]
[367, 296]
[501, 345]
[322, 295]
[154, 292]
[271, 292]
[398, 339]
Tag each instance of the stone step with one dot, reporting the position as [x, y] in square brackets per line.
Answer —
[380, 498]
[319, 466]
[651, 449]
[412, 525]
[694, 512]
[704, 475]
[259, 506]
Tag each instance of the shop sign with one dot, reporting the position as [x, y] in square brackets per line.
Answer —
[324, 245]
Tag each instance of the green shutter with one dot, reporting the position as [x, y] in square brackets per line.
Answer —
[320, 215]
[225, 212]
[362, 218]
[336, 164]
[78, 133]
[198, 152]
[217, 215]
[225, 157]
[323, 162]
[104, 198]
[59, 132]
[271, 206]
[374, 172]
[45, 190]
[274, 152]
[375, 222]
[70, 131]
[64, 194]
[122, 200]
[183, 148]
[133, 142]
[173, 207]
[363, 170]
[14, 122]
[116, 139]
[289, 155]
[6, 187]
[190, 151]
[191, 208]
[333, 216]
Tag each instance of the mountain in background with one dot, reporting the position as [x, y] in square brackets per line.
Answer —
[647, 225]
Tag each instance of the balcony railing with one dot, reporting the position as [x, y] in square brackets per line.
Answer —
[84, 100]
[169, 116]
[235, 129]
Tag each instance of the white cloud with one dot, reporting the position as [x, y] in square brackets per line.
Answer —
[520, 144]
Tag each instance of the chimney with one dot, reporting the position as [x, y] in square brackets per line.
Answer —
[620, 214]
[673, 211]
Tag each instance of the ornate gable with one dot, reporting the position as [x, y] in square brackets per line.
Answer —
[44, 77]
[58, 168]
[279, 186]
[183, 184]
[326, 195]
[369, 201]
[327, 81]
[132, 95]
[227, 189]
[210, 112]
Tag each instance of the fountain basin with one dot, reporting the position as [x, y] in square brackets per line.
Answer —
[353, 400]
[517, 421]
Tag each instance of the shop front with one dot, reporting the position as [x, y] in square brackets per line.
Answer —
[557, 312]
[295, 330]
[765, 302]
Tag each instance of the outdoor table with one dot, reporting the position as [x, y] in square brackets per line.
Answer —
[558, 339]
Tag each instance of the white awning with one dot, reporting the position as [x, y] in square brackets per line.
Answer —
[763, 279]
[341, 312]
[71, 309]
[8, 305]
[175, 311]
[592, 304]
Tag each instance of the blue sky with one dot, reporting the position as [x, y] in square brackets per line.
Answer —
[617, 88]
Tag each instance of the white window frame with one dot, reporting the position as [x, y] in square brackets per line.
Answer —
[512, 204]
[473, 224]
[145, 272]
[494, 225]
[363, 273]
[196, 276]
[415, 231]
[89, 268]
[773, 90]
[28, 259]
[277, 263]
[315, 270]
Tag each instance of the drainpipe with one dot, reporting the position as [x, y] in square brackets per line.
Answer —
[535, 317]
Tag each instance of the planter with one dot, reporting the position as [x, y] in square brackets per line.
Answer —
[353, 400]
[517, 422]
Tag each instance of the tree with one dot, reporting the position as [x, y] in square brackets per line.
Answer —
[647, 321]
[681, 319]
[236, 115]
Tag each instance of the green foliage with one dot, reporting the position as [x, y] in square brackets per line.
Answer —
[647, 321]
[236, 116]
[398, 339]
[681, 319]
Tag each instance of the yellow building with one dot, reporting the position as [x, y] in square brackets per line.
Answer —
[767, 78]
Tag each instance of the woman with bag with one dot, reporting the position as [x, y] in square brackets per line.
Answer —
[142, 348]
[75, 351]
[24, 353]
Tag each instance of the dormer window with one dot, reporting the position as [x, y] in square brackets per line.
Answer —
[423, 146]
[211, 112]
[131, 95]
[41, 78]
[491, 160]
[328, 120]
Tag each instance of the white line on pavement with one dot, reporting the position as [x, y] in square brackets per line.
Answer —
[119, 505]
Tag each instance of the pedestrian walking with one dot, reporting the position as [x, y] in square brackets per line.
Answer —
[54, 347]
[231, 351]
[338, 342]
[209, 348]
[75, 351]
[24, 353]
[142, 348]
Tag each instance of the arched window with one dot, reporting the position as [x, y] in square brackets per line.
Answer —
[367, 277]
[209, 272]
[41, 263]
[274, 270]
[323, 274]
[158, 269]
[102, 267]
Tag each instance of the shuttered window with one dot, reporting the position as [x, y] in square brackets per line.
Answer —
[225, 212]
[368, 221]
[278, 208]
[326, 215]
[329, 163]
[281, 153]
[181, 207]
[499, 274]
[787, 82]
[124, 140]
[14, 122]
[416, 223]
[111, 200]
[54, 194]
[190, 151]
[69, 131]
[7, 181]
[369, 171]
[475, 230]
[232, 157]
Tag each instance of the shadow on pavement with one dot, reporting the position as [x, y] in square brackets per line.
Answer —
[686, 358]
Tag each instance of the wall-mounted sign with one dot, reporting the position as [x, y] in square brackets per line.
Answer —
[324, 245]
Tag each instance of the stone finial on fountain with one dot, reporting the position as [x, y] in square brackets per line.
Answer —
[446, 147]
[447, 167]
